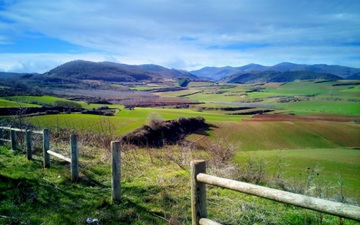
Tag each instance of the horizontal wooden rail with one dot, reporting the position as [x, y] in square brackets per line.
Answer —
[205, 221]
[59, 156]
[21, 130]
[3, 139]
[317, 204]
[37, 132]
[17, 129]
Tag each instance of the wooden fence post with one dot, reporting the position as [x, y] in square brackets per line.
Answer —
[46, 147]
[198, 192]
[115, 171]
[74, 158]
[13, 139]
[1, 136]
[28, 144]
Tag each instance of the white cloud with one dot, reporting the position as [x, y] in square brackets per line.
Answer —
[153, 31]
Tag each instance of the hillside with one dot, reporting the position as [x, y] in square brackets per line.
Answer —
[221, 72]
[113, 72]
[274, 76]
[354, 77]
[5, 75]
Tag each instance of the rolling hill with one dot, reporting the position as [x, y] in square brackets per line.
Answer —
[221, 72]
[275, 76]
[114, 72]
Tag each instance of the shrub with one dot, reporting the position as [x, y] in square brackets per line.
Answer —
[103, 107]
[183, 82]
[154, 120]
[67, 104]
[199, 109]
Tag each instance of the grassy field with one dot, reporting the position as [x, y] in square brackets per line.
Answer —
[317, 106]
[39, 99]
[126, 120]
[11, 104]
[283, 135]
[333, 165]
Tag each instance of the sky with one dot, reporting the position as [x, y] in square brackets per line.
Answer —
[38, 35]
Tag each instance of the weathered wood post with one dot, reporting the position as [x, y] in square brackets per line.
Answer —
[74, 158]
[115, 171]
[198, 192]
[28, 144]
[46, 147]
[13, 139]
[1, 136]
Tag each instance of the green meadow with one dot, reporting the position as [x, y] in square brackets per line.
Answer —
[12, 104]
[333, 165]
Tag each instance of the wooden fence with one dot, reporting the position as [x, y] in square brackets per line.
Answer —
[46, 148]
[199, 179]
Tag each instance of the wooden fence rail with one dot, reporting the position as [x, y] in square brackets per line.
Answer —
[199, 179]
[46, 148]
[12, 139]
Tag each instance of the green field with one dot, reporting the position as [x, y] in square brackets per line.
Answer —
[126, 120]
[39, 99]
[332, 165]
[12, 104]
[283, 135]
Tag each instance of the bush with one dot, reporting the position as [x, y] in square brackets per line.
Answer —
[103, 107]
[49, 112]
[67, 104]
[154, 120]
[199, 109]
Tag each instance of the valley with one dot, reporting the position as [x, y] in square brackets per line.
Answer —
[269, 127]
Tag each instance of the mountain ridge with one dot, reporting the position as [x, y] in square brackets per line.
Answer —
[276, 76]
[221, 72]
[117, 72]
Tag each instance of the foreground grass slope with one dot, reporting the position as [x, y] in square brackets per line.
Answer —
[154, 191]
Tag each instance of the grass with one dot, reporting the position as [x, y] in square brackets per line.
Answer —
[154, 191]
[43, 99]
[333, 164]
[317, 106]
[145, 88]
[256, 136]
[11, 104]
[202, 97]
[172, 94]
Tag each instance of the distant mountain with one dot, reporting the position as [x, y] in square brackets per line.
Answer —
[221, 72]
[275, 76]
[165, 72]
[341, 71]
[355, 76]
[5, 75]
[115, 72]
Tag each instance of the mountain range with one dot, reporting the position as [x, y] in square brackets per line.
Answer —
[276, 76]
[78, 70]
[217, 73]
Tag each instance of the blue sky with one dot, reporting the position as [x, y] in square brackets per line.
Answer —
[37, 35]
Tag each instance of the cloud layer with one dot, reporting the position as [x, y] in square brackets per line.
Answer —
[181, 34]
